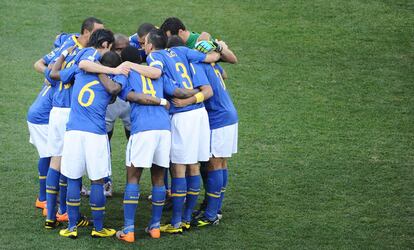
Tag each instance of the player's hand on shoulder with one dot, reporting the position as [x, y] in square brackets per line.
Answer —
[122, 69]
[204, 36]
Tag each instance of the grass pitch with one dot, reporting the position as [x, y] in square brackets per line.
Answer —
[325, 95]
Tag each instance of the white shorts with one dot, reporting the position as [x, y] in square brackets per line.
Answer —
[57, 127]
[121, 109]
[224, 141]
[86, 151]
[149, 147]
[38, 137]
[190, 137]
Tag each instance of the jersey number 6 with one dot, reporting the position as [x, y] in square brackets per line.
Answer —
[85, 89]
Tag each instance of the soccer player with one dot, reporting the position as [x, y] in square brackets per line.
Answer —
[57, 122]
[174, 26]
[189, 126]
[137, 39]
[148, 147]
[86, 145]
[223, 121]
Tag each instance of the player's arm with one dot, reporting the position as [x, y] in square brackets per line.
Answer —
[204, 36]
[93, 67]
[54, 73]
[226, 54]
[185, 93]
[40, 65]
[206, 93]
[146, 99]
[224, 74]
[110, 86]
[147, 71]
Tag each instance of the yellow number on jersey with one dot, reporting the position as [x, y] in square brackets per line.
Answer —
[147, 86]
[181, 68]
[65, 66]
[85, 89]
[218, 74]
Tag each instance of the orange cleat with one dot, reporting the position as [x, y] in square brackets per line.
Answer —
[128, 237]
[154, 233]
[62, 217]
[40, 204]
[44, 212]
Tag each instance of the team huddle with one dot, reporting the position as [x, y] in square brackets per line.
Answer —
[167, 85]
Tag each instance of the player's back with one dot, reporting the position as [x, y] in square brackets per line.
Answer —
[88, 104]
[220, 108]
[149, 117]
[40, 109]
[63, 90]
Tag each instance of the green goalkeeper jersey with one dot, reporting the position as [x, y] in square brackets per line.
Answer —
[192, 40]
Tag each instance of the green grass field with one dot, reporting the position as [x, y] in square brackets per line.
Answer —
[325, 95]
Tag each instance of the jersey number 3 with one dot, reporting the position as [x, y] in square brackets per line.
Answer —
[87, 89]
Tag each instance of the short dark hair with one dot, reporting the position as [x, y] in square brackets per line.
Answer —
[175, 41]
[173, 25]
[100, 36]
[111, 59]
[88, 24]
[131, 54]
[158, 38]
[144, 29]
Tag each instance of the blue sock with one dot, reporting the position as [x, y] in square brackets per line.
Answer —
[43, 167]
[193, 190]
[223, 189]
[52, 189]
[131, 197]
[214, 186]
[63, 190]
[178, 193]
[107, 179]
[73, 200]
[158, 199]
[166, 174]
[97, 202]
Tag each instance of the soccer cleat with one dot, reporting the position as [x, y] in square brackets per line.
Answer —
[44, 212]
[168, 228]
[73, 234]
[185, 225]
[155, 233]
[51, 224]
[108, 189]
[219, 215]
[203, 221]
[62, 217]
[197, 214]
[105, 232]
[83, 222]
[84, 191]
[128, 237]
[40, 204]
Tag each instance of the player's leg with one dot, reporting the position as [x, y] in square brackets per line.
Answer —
[213, 188]
[52, 190]
[193, 190]
[161, 162]
[98, 165]
[43, 167]
[73, 166]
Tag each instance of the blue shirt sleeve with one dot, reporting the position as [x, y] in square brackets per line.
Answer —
[90, 54]
[68, 74]
[168, 86]
[155, 60]
[51, 56]
[194, 55]
[126, 86]
[199, 75]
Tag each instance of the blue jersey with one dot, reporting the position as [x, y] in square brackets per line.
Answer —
[148, 117]
[133, 41]
[175, 63]
[40, 109]
[220, 108]
[89, 98]
[63, 92]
